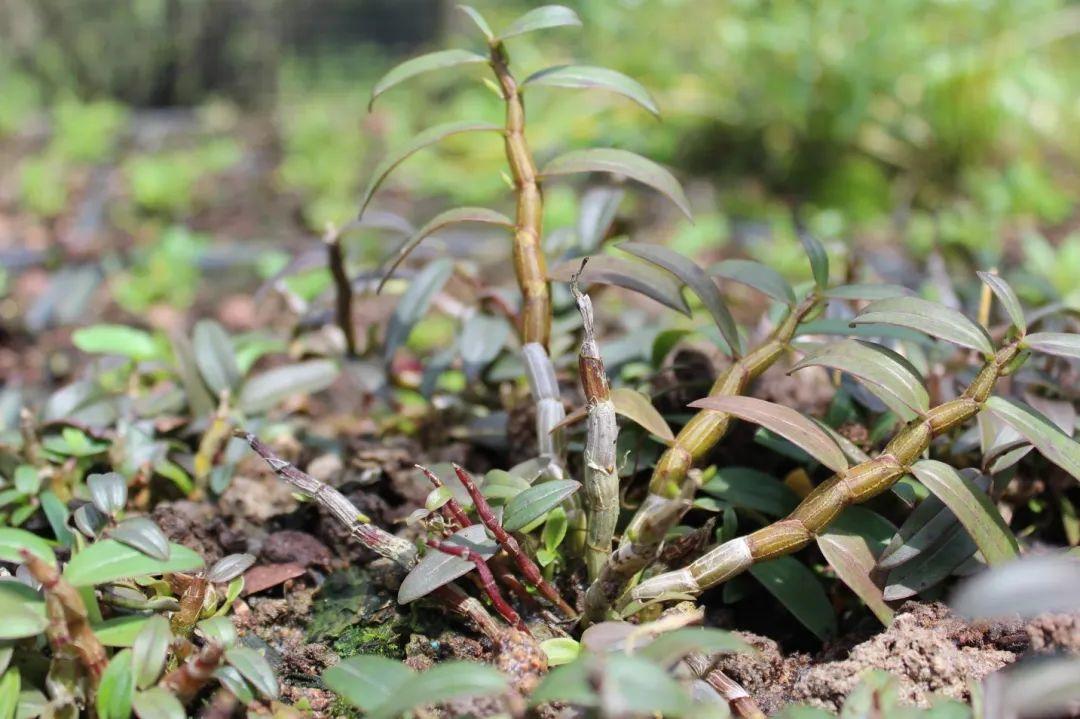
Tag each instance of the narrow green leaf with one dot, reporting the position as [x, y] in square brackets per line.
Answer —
[786, 422]
[419, 65]
[819, 259]
[10, 686]
[13, 541]
[198, 397]
[751, 489]
[972, 507]
[424, 139]
[414, 303]
[852, 559]
[638, 408]
[480, 215]
[560, 650]
[120, 631]
[215, 357]
[254, 667]
[646, 279]
[932, 318]
[479, 21]
[541, 18]
[116, 689]
[482, 338]
[234, 681]
[799, 590]
[56, 512]
[621, 162]
[754, 274]
[632, 686]
[866, 292]
[1008, 299]
[1051, 442]
[895, 381]
[931, 566]
[587, 76]
[694, 277]
[536, 501]
[443, 682]
[158, 703]
[366, 681]
[150, 649]
[436, 569]
[266, 389]
[1061, 344]
[108, 560]
[115, 340]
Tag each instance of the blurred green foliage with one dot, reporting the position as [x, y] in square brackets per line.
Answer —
[166, 271]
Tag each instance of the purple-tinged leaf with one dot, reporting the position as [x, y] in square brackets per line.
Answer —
[621, 162]
[1008, 299]
[932, 318]
[646, 279]
[1051, 442]
[754, 274]
[638, 408]
[436, 569]
[851, 558]
[1061, 344]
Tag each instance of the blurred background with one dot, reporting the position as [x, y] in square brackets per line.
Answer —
[146, 145]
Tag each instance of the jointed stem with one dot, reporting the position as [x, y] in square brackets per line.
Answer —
[818, 510]
[669, 492]
[187, 679]
[343, 293]
[529, 263]
[601, 477]
[510, 545]
[487, 581]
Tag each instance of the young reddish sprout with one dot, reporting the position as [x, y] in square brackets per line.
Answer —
[190, 677]
[507, 542]
[487, 581]
[451, 510]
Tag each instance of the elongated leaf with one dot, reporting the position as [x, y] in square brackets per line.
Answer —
[972, 507]
[121, 631]
[896, 381]
[436, 569]
[670, 647]
[867, 292]
[480, 215]
[115, 340]
[1051, 442]
[414, 303]
[1007, 298]
[107, 560]
[366, 681]
[536, 501]
[786, 422]
[478, 20]
[921, 531]
[932, 566]
[419, 65]
[751, 489]
[754, 274]
[443, 682]
[541, 18]
[646, 279]
[932, 318]
[424, 139]
[1029, 586]
[143, 534]
[215, 357]
[266, 389]
[587, 76]
[1061, 344]
[198, 398]
[13, 541]
[695, 278]
[819, 259]
[254, 667]
[621, 162]
[851, 558]
[638, 408]
[10, 699]
[799, 590]
[117, 688]
[23, 611]
[158, 703]
[150, 649]
[482, 338]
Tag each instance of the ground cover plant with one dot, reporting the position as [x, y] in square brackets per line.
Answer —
[536, 457]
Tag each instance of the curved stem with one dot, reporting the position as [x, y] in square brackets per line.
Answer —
[669, 491]
[818, 510]
[529, 263]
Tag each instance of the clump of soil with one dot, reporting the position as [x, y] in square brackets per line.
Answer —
[926, 648]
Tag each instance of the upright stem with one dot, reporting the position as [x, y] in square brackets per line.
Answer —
[858, 484]
[669, 492]
[343, 293]
[529, 263]
[487, 581]
[601, 434]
